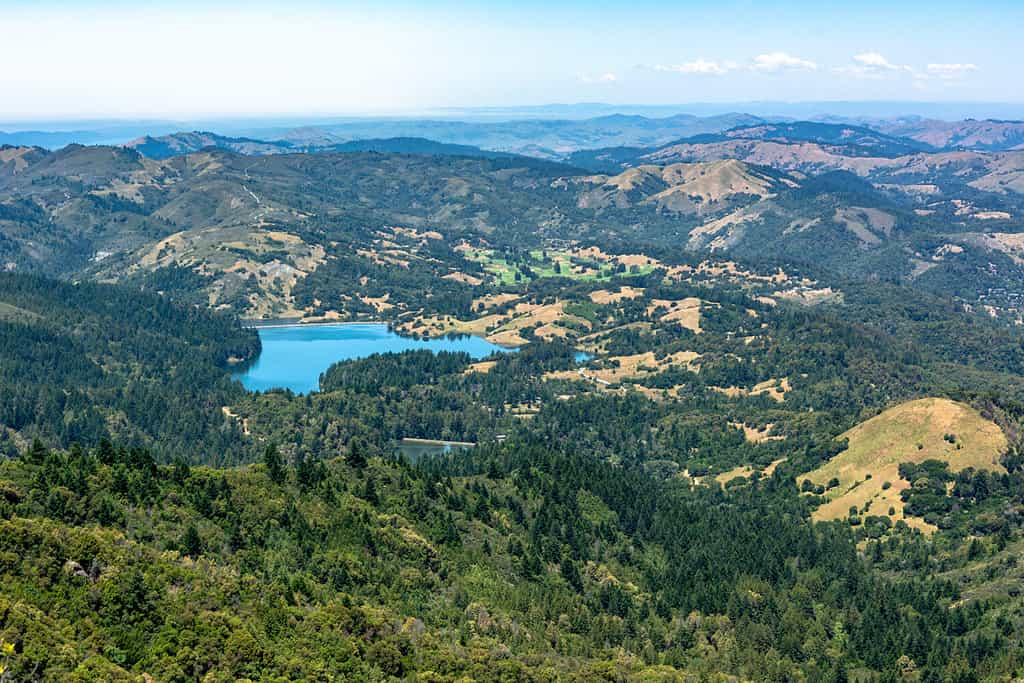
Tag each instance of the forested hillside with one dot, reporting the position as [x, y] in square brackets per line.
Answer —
[80, 362]
[518, 562]
[658, 525]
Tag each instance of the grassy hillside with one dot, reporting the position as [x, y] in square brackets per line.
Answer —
[913, 432]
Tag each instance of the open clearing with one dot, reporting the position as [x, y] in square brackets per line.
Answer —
[575, 264]
[482, 367]
[9, 312]
[617, 369]
[746, 470]
[776, 389]
[548, 321]
[603, 296]
[910, 432]
[757, 434]
[686, 312]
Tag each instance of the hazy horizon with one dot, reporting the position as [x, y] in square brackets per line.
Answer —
[840, 109]
[102, 59]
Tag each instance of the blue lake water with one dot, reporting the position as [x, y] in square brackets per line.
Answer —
[293, 357]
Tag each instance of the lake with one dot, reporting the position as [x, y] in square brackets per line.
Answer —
[294, 356]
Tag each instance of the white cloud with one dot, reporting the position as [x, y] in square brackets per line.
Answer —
[872, 65]
[866, 65]
[773, 61]
[950, 71]
[699, 66]
[777, 61]
[876, 61]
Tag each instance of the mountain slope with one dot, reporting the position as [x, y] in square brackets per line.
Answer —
[983, 135]
[258, 235]
[114, 213]
[808, 147]
[166, 146]
[680, 188]
[850, 140]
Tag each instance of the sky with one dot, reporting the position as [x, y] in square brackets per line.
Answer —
[76, 58]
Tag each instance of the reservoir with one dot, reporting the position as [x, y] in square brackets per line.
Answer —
[294, 356]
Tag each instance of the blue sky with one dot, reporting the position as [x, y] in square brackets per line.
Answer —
[77, 58]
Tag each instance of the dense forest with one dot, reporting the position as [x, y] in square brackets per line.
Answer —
[515, 562]
[82, 362]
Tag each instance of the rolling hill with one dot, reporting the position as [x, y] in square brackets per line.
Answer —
[247, 233]
[905, 164]
[241, 230]
[851, 140]
[79, 360]
[173, 144]
[681, 188]
[868, 473]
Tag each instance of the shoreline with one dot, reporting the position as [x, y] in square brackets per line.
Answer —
[281, 324]
[298, 322]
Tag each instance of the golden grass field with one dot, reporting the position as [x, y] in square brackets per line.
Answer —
[603, 296]
[616, 369]
[686, 312]
[909, 432]
[755, 434]
[746, 470]
[776, 389]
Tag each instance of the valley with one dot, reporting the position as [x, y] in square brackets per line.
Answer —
[498, 342]
[740, 403]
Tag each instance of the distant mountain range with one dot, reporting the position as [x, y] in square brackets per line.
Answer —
[939, 156]
[167, 146]
[542, 138]
[549, 138]
[575, 141]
